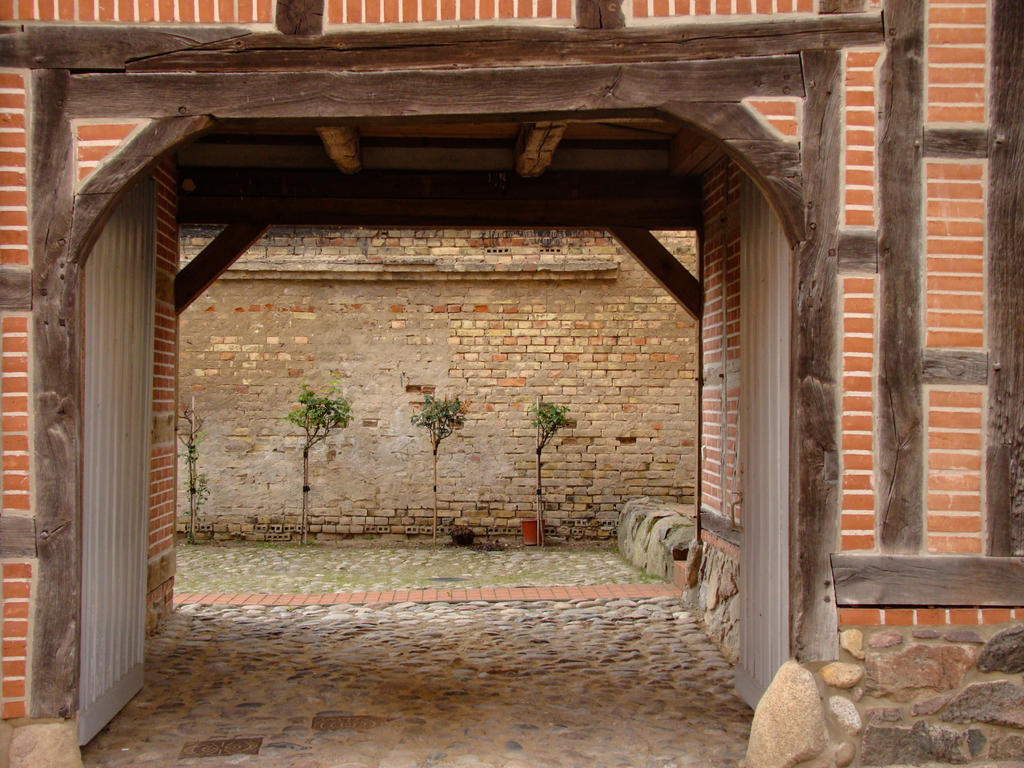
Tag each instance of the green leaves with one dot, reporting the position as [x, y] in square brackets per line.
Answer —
[440, 417]
[548, 418]
[317, 414]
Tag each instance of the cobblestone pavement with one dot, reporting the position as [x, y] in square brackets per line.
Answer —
[376, 565]
[538, 684]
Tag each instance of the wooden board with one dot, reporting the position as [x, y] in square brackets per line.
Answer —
[956, 143]
[212, 261]
[858, 252]
[721, 527]
[937, 580]
[899, 430]
[1004, 281]
[15, 288]
[951, 366]
[101, 47]
[484, 91]
[502, 46]
[814, 425]
[17, 536]
[663, 267]
[56, 400]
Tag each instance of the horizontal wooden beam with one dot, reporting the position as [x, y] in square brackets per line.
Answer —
[17, 536]
[663, 267]
[930, 580]
[956, 143]
[102, 47]
[480, 91]
[720, 526]
[213, 260]
[524, 46]
[15, 288]
[311, 197]
[948, 366]
[858, 251]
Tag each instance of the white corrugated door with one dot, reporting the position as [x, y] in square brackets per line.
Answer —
[764, 444]
[118, 392]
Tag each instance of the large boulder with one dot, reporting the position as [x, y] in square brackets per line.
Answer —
[789, 722]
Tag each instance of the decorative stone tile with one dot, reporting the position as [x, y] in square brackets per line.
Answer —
[222, 747]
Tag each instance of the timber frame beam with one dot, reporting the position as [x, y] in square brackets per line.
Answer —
[663, 267]
[223, 48]
[213, 261]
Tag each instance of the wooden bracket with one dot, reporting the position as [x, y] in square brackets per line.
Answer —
[213, 260]
[535, 147]
[663, 267]
[342, 146]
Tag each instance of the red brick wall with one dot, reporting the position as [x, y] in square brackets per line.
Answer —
[720, 479]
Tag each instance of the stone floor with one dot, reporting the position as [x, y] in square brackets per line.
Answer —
[367, 565]
[588, 682]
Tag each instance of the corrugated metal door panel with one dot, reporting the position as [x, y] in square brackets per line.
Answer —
[119, 320]
[764, 444]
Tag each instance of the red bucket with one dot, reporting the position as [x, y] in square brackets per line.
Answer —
[530, 533]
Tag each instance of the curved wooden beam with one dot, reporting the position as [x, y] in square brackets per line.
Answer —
[102, 191]
[771, 162]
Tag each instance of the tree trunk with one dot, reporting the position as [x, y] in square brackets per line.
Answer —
[435, 493]
[540, 505]
[305, 489]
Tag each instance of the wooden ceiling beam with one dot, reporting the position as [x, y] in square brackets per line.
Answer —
[342, 145]
[535, 147]
[663, 267]
[210, 263]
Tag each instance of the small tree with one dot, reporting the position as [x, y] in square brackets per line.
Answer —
[318, 416]
[440, 417]
[548, 418]
[189, 435]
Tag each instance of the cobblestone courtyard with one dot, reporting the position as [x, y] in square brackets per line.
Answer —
[586, 682]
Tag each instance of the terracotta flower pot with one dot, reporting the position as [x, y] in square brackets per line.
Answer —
[530, 533]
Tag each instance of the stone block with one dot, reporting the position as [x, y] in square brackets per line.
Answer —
[903, 675]
[1004, 652]
[53, 745]
[999, 703]
[789, 722]
[923, 743]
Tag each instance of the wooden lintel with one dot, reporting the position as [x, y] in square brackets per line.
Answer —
[956, 143]
[535, 147]
[17, 536]
[300, 17]
[365, 49]
[899, 412]
[213, 260]
[858, 251]
[951, 366]
[103, 47]
[721, 527]
[927, 580]
[485, 90]
[663, 267]
[1004, 283]
[342, 145]
[15, 288]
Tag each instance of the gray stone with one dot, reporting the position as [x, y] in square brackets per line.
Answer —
[932, 705]
[840, 675]
[926, 634]
[964, 636]
[1004, 652]
[903, 675]
[877, 715]
[789, 722]
[852, 641]
[53, 745]
[846, 714]
[999, 702]
[648, 532]
[886, 639]
[844, 754]
[975, 741]
[924, 743]
[1007, 748]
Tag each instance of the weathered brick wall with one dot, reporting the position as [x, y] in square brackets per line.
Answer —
[496, 318]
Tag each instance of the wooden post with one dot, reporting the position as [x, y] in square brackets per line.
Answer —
[436, 443]
[1004, 475]
[899, 410]
[814, 420]
[56, 399]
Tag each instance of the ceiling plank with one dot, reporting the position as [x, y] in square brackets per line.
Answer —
[342, 146]
[535, 147]
[213, 261]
